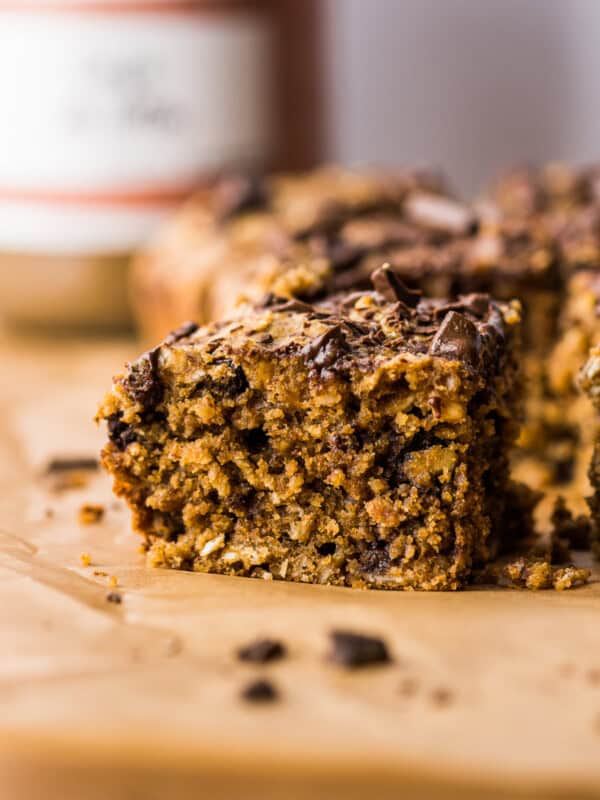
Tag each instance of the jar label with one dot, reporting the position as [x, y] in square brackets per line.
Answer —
[112, 112]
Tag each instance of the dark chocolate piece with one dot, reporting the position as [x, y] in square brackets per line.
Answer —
[239, 194]
[260, 691]
[181, 332]
[457, 338]
[326, 349]
[388, 284]
[356, 650]
[142, 382]
[120, 433]
[67, 464]
[262, 651]
[114, 597]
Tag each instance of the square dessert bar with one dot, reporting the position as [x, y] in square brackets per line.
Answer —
[361, 441]
[296, 235]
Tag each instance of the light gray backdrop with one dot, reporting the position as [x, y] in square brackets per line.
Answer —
[469, 84]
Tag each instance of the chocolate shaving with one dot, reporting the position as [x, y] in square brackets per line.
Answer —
[388, 284]
[181, 332]
[239, 194]
[68, 464]
[476, 304]
[457, 338]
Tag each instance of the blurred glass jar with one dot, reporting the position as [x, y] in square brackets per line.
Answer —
[113, 113]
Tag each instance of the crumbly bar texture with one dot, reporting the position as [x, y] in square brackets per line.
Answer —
[590, 382]
[361, 441]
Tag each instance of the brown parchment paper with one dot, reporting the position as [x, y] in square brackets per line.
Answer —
[141, 700]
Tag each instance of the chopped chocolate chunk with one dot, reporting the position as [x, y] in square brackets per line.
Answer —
[440, 213]
[326, 349]
[356, 650]
[142, 382]
[457, 338]
[114, 597]
[260, 691]
[67, 464]
[261, 651]
[120, 433]
[181, 332]
[239, 194]
[388, 284]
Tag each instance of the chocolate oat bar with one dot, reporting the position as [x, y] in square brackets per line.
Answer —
[297, 235]
[362, 440]
[314, 234]
[562, 202]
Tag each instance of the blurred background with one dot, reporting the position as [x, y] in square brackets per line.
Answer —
[113, 112]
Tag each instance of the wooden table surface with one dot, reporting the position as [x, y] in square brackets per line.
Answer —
[490, 694]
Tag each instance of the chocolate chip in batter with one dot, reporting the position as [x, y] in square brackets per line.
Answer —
[355, 650]
[262, 651]
[327, 348]
[120, 433]
[142, 382]
[260, 691]
[388, 284]
[114, 597]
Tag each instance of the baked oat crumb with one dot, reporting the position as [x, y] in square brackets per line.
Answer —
[90, 513]
[86, 559]
[113, 581]
[569, 577]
